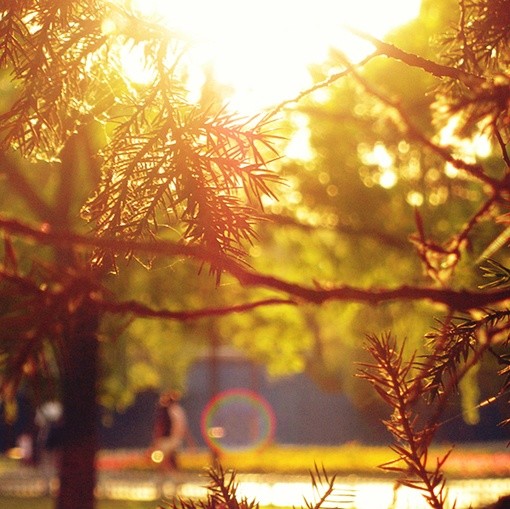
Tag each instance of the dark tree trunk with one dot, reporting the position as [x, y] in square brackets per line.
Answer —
[79, 441]
[79, 390]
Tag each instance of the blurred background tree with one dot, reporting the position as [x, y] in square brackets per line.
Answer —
[352, 208]
[383, 224]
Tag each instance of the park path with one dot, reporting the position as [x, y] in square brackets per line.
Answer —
[351, 492]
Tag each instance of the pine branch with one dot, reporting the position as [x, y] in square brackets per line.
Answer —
[450, 345]
[457, 345]
[49, 62]
[499, 274]
[460, 300]
[169, 156]
[395, 381]
[223, 491]
[324, 488]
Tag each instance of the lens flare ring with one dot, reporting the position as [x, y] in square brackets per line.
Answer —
[238, 420]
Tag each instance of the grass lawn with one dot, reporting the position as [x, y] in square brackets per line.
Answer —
[478, 460]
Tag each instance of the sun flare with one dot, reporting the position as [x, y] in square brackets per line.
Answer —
[262, 50]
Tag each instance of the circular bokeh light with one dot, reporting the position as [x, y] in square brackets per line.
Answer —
[157, 456]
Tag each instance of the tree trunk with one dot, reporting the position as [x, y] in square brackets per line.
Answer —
[79, 390]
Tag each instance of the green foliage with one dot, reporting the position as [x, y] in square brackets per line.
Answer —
[396, 204]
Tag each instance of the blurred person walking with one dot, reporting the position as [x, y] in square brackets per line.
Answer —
[170, 430]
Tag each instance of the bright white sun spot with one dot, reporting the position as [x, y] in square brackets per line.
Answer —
[469, 149]
[134, 64]
[262, 50]
[388, 178]
[379, 156]
[415, 199]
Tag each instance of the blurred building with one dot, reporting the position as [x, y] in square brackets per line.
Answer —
[303, 413]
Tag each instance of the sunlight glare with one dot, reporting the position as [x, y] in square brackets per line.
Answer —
[479, 145]
[298, 147]
[262, 50]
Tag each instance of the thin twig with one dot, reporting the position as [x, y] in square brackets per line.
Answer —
[475, 170]
[322, 84]
[502, 145]
[143, 311]
[412, 60]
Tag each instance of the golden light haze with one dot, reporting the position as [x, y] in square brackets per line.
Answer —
[262, 50]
